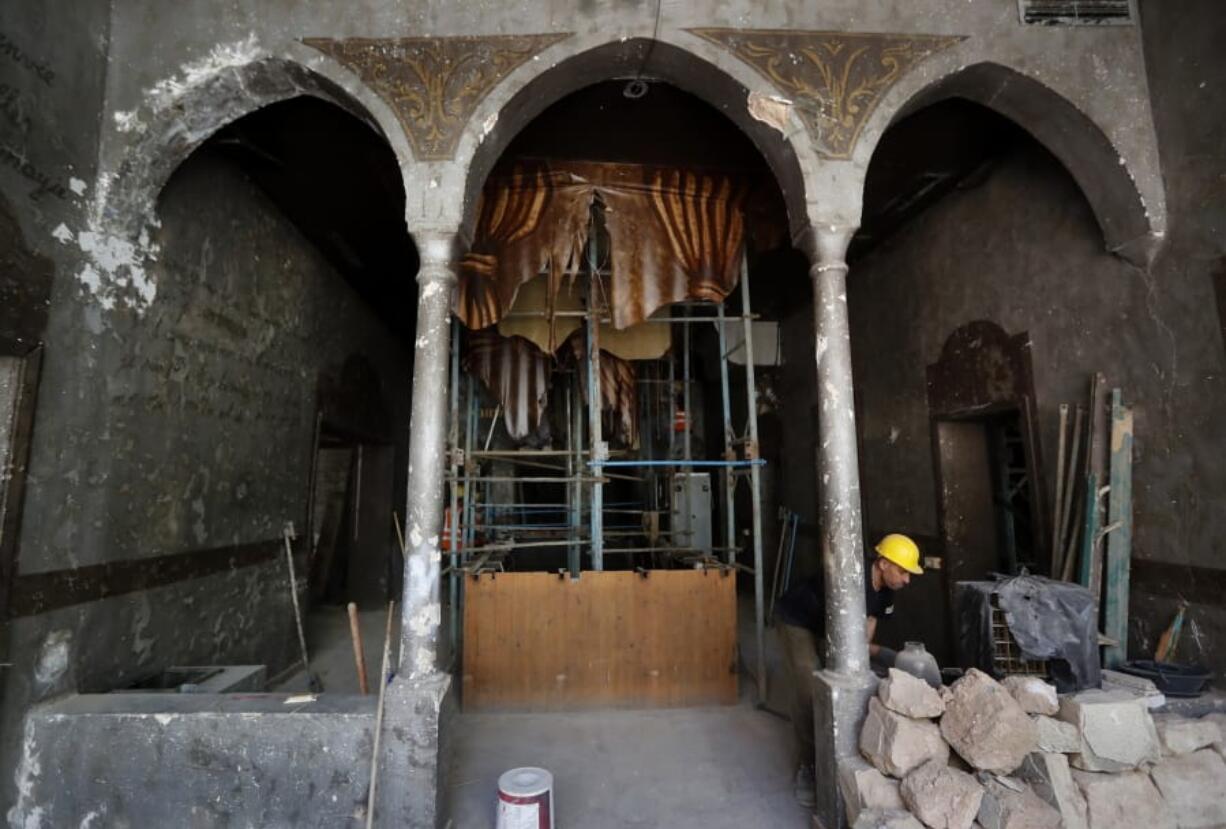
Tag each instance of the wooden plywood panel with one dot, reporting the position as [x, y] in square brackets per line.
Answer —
[534, 641]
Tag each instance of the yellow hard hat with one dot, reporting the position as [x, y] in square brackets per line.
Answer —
[902, 551]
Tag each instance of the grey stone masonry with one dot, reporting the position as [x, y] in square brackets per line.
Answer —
[1010, 804]
[910, 695]
[896, 744]
[1183, 735]
[942, 797]
[1117, 731]
[1033, 694]
[866, 789]
[1194, 787]
[986, 726]
[1050, 778]
[1056, 735]
[1123, 801]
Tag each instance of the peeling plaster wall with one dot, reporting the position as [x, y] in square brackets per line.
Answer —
[1022, 249]
[186, 427]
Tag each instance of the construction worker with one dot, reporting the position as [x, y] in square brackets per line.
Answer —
[801, 622]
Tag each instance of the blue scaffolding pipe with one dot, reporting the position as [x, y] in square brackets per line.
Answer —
[720, 464]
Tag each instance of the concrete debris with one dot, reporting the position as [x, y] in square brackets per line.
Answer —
[1117, 731]
[1007, 804]
[1123, 801]
[1056, 735]
[1033, 694]
[910, 695]
[1194, 787]
[1183, 735]
[865, 789]
[986, 726]
[1138, 686]
[1050, 779]
[886, 819]
[942, 797]
[896, 744]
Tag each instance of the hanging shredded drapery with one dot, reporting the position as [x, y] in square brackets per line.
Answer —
[517, 373]
[675, 235]
[619, 395]
[532, 219]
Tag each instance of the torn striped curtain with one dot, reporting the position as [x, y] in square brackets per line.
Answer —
[675, 235]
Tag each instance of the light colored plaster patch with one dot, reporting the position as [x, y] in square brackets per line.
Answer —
[770, 110]
[221, 57]
[487, 126]
[53, 657]
[115, 270]
[76, 185]
[164, 719]
[87, 822]
[128, 122]
[24, 813]
[62, 233]
[142, 646]
[895, 433]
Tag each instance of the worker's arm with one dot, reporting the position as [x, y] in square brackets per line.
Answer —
[871, 627]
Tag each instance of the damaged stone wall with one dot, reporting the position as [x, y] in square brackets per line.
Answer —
[171, 443]
[1022, 249]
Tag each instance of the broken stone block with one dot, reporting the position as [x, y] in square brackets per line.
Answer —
[986, 726]
[1050, 779]
[887, 819]
[942, 797]
[1182, 735]
[896, 744]
[1010, 804]
[1117, 731]
[1056, 735]
[910, 695]
[864, 788]
[1033, 694]
[1123, 801]
[1194, 787]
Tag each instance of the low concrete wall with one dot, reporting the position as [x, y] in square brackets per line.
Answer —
[197, 760]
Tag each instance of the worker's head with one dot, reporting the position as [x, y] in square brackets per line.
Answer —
[897, 560]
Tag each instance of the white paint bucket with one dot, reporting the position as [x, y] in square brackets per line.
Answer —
[525, 799]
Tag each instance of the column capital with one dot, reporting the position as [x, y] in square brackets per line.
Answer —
[825, 244]
[438, 251]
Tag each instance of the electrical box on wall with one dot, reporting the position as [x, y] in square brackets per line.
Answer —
[691, 512]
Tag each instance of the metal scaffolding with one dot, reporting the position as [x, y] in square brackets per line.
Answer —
[484, 530]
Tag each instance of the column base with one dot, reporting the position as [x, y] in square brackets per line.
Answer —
[412, 768]
[840, 703]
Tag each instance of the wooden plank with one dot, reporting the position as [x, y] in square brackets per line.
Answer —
[534, 641]
[1096, 466]
[1119, 539]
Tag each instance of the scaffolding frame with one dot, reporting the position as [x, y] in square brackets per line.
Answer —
[588, 468]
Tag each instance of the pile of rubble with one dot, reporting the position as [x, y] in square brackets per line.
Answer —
[980, 753]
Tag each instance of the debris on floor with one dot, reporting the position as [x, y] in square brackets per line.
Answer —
[999, 755]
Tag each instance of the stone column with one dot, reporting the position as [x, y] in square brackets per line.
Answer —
[838, 470]
[420, 612]
[841, 691]
[412, 769]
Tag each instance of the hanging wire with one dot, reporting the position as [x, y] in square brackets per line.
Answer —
[637, 88]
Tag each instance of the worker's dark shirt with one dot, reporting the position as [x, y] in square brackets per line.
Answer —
[804, 605]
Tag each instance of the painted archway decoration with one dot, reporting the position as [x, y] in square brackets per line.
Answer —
[434, 83]
[834, 79]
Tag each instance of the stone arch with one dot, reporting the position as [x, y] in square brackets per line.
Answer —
[174, 123]
[692, 65]
[1129, 229]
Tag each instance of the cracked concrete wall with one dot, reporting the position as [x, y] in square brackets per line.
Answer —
[1022, 249]
[187, 426]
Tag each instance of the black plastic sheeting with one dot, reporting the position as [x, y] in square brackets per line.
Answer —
[1052, 620]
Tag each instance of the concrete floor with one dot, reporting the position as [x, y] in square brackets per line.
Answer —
[711, 767]
[330, 649]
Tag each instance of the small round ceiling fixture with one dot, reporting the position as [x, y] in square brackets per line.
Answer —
[635, 89]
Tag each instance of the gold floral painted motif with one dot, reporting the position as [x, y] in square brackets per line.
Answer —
[834, 79]
[434, 83]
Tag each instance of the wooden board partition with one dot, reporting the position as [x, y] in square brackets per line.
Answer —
[540, 642]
